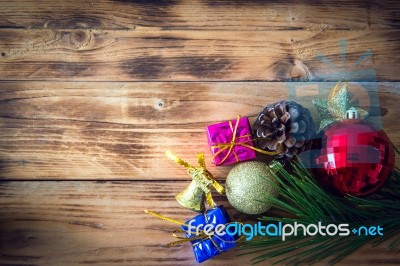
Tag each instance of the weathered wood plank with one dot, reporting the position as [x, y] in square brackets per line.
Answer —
[110, 130]
[141, 55]
[70, 223]
[208, 14]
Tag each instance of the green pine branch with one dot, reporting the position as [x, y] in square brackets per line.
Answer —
[302, 198]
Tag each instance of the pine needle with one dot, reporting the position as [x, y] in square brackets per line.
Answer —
[302, 197]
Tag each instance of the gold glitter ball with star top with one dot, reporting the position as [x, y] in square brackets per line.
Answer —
[250, 186]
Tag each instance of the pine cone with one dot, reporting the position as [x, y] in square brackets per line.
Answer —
[287, 127]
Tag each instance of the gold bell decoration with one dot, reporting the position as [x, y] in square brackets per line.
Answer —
[200, 187]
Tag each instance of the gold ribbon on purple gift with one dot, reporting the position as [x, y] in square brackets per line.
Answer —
[183, 239]
[237, 141]
[193, 196]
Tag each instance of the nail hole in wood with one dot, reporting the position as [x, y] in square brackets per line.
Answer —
[160, 104]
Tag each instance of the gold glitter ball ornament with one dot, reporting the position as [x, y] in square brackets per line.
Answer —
[248, 187]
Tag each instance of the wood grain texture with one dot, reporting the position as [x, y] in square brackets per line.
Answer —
[200, 15]
[109, 130]
[96, 91]
[178, 55]
[103, 223]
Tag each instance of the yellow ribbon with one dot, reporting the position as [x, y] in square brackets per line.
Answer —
[234, 142]
[184, 239]
[200, 175]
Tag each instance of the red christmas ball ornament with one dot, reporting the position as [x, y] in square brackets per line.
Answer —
[353, 157]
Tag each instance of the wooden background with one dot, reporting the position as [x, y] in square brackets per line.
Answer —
[94, 92]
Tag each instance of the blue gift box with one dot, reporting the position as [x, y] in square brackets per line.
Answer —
[209, 247]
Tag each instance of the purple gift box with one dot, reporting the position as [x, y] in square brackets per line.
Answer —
[221, 135]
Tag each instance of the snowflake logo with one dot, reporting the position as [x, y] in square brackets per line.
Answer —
[360, 77]
[343, 71]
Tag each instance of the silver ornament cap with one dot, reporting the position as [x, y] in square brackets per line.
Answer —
[248, 187]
